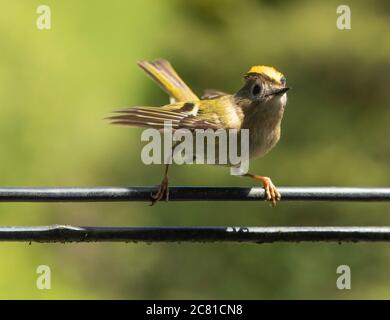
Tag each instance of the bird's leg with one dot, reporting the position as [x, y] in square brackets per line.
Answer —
[271, 192]
[163, 189]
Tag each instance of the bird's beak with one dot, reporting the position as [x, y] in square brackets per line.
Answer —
[277, 91]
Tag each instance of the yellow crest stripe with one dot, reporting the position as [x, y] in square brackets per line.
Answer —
[271, 72]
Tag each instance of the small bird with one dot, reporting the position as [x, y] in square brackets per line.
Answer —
[257, 106]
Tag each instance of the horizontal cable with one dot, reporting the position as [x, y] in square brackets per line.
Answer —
[70, 194]
[63, 233]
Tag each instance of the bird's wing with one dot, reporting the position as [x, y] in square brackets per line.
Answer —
[201, 114]
[163, 73]
[212, 94]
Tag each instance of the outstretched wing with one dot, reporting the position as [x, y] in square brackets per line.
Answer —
[204, 114]
[163, 73]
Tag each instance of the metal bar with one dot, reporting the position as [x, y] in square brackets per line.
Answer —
[104, 194]
[63, 233]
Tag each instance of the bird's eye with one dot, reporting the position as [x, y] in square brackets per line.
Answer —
[283, 81]
[256, 89]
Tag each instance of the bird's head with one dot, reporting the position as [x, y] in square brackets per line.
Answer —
[263, 83]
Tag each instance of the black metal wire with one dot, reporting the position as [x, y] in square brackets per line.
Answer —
[61, 233]
[101, 194]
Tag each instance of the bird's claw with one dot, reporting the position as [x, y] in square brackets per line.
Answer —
[272, 194]
[162, 191]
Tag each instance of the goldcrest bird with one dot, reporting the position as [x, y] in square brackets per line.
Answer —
[257, 106]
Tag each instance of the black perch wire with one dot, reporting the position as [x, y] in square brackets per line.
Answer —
[109, 194]
[64, 233]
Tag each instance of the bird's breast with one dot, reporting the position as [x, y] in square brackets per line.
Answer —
[264, 132]
[263, 139]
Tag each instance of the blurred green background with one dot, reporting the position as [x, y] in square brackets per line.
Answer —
[56, 86]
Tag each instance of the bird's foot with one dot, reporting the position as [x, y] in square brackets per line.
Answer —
[271, 192]
[162, 191]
